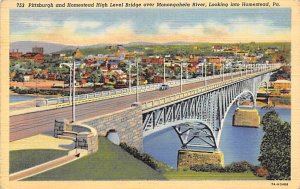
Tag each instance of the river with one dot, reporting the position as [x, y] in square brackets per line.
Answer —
[19, 98]
[237, 143]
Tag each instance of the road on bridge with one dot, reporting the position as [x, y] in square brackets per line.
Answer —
[26, 125]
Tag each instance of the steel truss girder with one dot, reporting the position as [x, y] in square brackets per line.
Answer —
[189, 132]
[209, 108]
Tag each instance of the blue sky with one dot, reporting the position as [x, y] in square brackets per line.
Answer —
[93, 26]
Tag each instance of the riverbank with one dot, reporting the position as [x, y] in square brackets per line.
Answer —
[261, 104]
[278, 102]
[192, 175]
[12, 93]
[110, 162]
[117, 164]
[39, 84]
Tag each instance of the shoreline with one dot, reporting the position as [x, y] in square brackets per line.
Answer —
[278, 106]
[38, 95]
[260, 104]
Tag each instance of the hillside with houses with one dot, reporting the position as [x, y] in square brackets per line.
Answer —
[114, 66]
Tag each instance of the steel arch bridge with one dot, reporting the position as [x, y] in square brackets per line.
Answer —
[198, 120]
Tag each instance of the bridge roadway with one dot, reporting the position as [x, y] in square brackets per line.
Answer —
[26, 125]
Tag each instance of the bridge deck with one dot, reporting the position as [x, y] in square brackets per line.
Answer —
[30, 124]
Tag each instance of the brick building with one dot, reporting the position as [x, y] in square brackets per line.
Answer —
[15, 54]
[36, 57]
[39, 50]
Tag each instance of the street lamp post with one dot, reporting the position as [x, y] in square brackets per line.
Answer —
[223, 72]
[70, 78]
[73, 100]
[72, 82]
[266, 67]
[205, 79]
[137, 80]
[213, 69]
[36, 86]
[231, 71]
[202, 69]
[164, 71]
[260, 68]
[186, 72]
[129, 84]
[241, 68]
[181, 77]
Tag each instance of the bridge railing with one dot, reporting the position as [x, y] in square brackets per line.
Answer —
[179, 96]
[126, 91]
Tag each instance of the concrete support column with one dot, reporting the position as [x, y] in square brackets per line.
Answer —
[188, 158]
[246, 118]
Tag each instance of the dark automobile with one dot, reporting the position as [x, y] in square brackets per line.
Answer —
[164, 87]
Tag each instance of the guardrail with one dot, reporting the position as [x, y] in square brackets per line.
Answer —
[84, 136]
[83, 98]
[179, 96]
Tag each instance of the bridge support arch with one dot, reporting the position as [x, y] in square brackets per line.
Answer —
[126, 123]
[195, 134]
[210, 107]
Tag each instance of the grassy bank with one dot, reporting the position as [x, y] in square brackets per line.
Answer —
[192, 175]
[111, 162]
[24, 159]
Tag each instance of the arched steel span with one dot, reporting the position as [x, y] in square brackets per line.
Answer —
[195, 133]
[264, 82]
[210, 107]
[239, 98]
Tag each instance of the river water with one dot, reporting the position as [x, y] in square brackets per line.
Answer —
[237, 143]
[19, 98]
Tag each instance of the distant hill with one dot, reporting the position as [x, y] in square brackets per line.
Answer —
[178, 43]
[148, 43]
[26, 46]
[140, 43]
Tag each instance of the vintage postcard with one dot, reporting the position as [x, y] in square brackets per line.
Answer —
[143, 94]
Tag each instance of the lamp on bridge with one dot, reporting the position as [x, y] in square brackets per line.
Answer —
[69, 65]
[164, 70]
[129, 76]
[137, 59]
[223, 64]
[205, 80]
[183, 61]
[76, 56]
[181, 77]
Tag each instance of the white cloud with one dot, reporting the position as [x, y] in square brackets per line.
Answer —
[237, 30]
[75, 25]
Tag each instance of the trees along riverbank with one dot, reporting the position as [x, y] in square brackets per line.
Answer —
[275, 150]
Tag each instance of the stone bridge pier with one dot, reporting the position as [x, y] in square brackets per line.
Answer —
[246, 118]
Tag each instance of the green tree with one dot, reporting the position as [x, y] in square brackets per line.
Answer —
[275, 149]
[95, 78]
[148, 74]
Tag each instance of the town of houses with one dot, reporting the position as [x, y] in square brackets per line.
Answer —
[113, 69]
